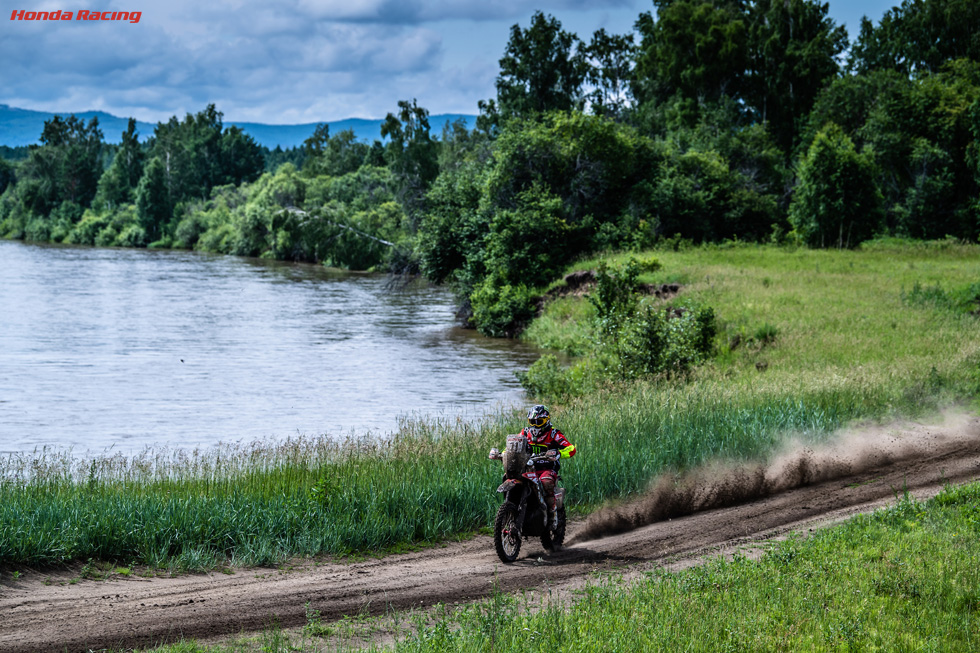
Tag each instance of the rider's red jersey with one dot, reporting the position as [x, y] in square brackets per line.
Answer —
[550, 439]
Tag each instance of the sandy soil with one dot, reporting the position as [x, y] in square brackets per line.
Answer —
[680, 521]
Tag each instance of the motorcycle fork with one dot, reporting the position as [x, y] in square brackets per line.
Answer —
[544, 504]
[521, 506]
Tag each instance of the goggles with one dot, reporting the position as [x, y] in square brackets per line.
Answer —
[537, 422]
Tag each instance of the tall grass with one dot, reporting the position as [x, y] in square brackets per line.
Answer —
[249, 505]
[257, 505]
[844, 347]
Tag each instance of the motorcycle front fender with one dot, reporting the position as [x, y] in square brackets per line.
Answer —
[507, 485]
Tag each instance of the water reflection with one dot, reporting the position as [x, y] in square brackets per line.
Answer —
[130, 348]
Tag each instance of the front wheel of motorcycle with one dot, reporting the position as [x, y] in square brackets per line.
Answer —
[553, 539]
[506, 538]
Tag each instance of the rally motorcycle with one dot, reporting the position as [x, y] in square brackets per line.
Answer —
[524, 512]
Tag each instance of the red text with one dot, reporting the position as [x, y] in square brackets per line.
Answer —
[129, 16]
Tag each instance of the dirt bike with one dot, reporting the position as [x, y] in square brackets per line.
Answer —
[524, 512]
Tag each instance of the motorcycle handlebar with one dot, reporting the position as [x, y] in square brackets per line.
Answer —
[540, 456]
[497, 455]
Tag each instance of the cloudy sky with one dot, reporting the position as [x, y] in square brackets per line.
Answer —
[298, 61]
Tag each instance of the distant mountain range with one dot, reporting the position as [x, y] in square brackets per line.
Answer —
[24, 127]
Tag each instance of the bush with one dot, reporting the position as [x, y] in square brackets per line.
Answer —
[107, 236]
[965, 299]
[88, 228]
[500, 309]
[529, 244]
[615, 295]
[132, 236]
[546, 378]
[838, 202]
[658, 340]
[631, 337]
[217, 239]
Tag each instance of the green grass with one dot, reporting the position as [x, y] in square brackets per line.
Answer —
[251, 505]
[902, 579]
[834, 310]
[829, 330]
[563, 326]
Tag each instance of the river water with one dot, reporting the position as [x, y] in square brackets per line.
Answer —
[124, 349]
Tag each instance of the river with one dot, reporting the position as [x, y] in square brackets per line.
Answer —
[126, 349]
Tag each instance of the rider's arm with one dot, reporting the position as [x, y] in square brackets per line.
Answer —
[565, 448]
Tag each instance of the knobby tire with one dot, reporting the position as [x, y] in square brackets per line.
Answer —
[508, 548]
[552, 540]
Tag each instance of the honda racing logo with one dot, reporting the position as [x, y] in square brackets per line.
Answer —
[128, 16]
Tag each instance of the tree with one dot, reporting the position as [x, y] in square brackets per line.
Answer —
[919, 36]
[130, 155]
[316, 144]
[488, 121]
[930, 207]
[610, 60]
[8, 175]
[117, 185]
[837, 202]
[66, 166]
[452, 231]
[795, 47]
[333, 155]
[696, 50]
[411, 153]
[153, 207]
[198, 154]
[922, 133]
[542, 69]
[241, 158]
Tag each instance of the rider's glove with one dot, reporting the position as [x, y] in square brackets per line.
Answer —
[495, 454]
[553, 455]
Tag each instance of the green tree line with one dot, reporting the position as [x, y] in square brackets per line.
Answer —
[713, 119]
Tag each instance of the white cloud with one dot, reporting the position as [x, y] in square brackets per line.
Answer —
[301, 60]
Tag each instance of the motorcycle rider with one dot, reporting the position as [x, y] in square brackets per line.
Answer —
[544, 438]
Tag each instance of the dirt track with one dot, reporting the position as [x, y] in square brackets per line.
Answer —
[803, 489]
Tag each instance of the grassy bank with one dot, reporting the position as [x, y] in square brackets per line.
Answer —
[878, 317]
[849, 338]
[901, 579]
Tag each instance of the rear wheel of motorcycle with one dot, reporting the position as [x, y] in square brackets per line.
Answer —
[505, 537]
[553, 539]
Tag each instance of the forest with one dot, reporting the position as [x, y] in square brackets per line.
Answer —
[713, 121]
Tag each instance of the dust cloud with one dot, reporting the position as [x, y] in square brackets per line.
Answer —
[850, 452]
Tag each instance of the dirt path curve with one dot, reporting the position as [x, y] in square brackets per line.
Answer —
[864, 472]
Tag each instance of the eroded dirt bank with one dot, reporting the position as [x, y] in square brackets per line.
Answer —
[679, 520]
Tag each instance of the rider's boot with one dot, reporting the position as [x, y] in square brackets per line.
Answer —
[553, 513]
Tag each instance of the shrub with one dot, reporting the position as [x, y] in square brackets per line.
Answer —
[501, 309]
[657, 340]
[615, 295]
[631, 337]
[132, 236]
[88, 228]
[107, 236]
[838, 202]
[545, 378]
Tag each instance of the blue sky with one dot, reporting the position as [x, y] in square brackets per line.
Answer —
[298, 61]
